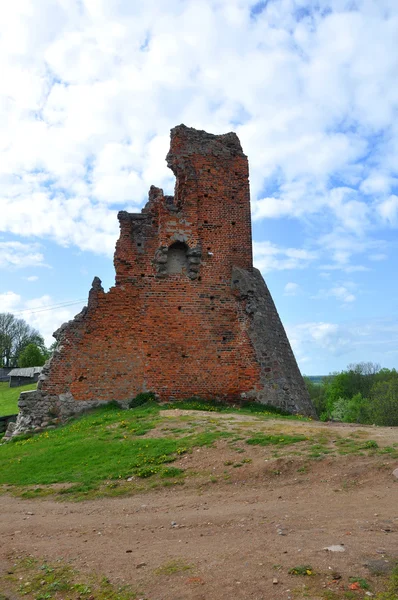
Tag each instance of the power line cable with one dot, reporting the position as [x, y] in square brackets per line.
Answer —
[38, 309]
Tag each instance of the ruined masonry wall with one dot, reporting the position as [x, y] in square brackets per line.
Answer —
[210, 330]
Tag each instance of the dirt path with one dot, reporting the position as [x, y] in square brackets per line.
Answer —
[224, 540]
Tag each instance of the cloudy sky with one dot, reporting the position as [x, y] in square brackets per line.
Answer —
[89, 91]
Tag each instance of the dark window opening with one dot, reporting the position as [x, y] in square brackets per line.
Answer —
[177, 260]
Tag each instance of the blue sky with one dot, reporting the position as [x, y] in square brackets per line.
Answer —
[89, 92]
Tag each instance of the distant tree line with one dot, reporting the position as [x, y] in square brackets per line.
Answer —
[362, 393]
[20, 344]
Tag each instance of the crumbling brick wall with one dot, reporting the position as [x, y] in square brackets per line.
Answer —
[188, 315]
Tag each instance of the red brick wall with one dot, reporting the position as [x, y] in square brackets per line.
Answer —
[177, 335]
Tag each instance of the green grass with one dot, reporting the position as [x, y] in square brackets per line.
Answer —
[173, 566]
[106, 445]
[9, 397]
[260, 439]
[304, 570]
[112, 452]
[391, 592]
[361, 581]
[44, 581]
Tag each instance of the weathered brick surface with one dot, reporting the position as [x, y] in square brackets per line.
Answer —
[210, 330]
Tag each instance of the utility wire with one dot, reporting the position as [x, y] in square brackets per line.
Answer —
[38, 309]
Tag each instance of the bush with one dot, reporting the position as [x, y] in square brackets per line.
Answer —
[353, 410]
[357, 410]
[141, 399]
[339, 409]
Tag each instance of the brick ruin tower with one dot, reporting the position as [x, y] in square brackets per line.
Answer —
[188, 315]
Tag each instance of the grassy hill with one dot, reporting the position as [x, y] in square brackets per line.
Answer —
[111, 444]
[9, 397]
[266, 481]
[97, 453]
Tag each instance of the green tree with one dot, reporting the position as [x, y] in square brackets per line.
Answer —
[15, 335]
[356, 379]
[362, 393]
[31, 356]
[357, 410]
[317, 395]
[384, 406]
[352, 410]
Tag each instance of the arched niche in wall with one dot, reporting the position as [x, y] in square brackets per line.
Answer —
[177, 259]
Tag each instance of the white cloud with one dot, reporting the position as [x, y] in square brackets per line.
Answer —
[8, 301]
[388, 210]
[343, 293]
[344, 268]
[341, 246]
[89, 90]
[269, 257]
[291, 289]
[42, 313]
[32, 278]
[377, 183]
[331, 337]
[371, 339]
[378, 257]
[19, 255]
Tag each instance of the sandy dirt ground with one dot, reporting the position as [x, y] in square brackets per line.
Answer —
[232, 538]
